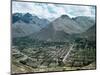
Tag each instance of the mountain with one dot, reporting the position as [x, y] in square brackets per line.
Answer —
[90, 34]
[63, 28]
[50, 34]
[16, 17]
[60, 29]
[84, 22]
[66, 24]
[21, 29]
[29, 18]
[26, 24]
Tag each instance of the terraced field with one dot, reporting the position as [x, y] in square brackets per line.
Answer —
[62, 57]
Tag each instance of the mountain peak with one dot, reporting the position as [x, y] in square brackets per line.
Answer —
[27, 18]
[28, 14]
[65, 16]
[16, 17]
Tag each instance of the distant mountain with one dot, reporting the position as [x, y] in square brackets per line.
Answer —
[84, 22]
[60, 29]
[26, 24]
[66, 24]
[63, 28]
[16, 17]
[29, 18]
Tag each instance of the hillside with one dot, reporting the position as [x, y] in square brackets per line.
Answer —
[26, 24]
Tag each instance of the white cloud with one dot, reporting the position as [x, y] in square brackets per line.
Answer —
[45, 10]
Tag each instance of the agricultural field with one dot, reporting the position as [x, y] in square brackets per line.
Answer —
[54, 56]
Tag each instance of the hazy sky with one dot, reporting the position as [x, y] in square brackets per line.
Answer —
[44, 10]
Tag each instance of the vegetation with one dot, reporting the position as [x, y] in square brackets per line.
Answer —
[45, 54]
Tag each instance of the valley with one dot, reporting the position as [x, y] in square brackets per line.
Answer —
[44, 56]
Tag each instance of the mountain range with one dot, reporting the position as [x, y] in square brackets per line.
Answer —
[62, 28]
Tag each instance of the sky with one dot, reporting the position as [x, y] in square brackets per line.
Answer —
[50, 11]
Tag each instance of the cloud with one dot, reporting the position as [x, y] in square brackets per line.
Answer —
[44, 10]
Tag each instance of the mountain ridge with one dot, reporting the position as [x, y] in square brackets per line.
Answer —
[62, 28]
